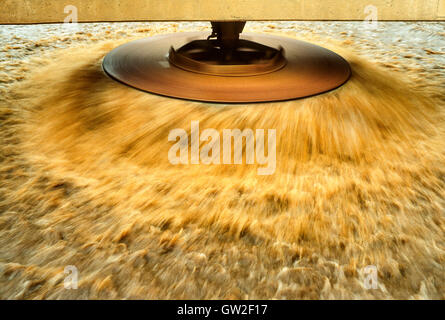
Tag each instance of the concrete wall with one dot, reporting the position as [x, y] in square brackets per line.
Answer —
[41, 11]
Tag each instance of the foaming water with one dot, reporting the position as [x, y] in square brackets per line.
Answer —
[359, 180]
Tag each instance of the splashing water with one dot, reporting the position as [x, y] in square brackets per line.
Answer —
[86, 181]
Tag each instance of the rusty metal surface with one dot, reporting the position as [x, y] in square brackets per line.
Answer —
[247, 58]
[144, 64]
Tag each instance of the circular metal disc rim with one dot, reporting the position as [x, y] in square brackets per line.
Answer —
[310, 70]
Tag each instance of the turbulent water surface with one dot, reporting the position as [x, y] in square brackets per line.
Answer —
[86, 180]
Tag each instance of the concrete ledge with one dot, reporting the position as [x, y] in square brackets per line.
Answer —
[51, 11]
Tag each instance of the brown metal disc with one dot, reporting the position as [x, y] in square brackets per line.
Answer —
[144, 64]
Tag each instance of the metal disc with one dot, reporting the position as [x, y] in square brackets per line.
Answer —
[310, 70]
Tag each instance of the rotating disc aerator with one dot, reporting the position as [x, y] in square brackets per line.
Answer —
[227, 67]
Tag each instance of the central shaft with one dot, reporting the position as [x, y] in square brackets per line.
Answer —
[227, 36]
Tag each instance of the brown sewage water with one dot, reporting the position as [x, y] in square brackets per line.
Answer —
[86, 181]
